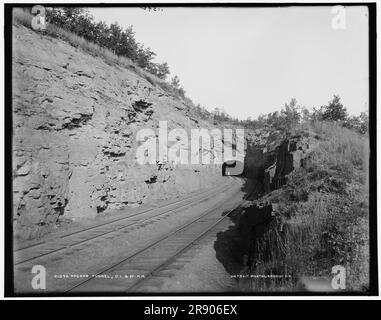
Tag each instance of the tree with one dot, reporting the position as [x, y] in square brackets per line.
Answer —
[364, 122]
[162, 70]
[145, 55]
[290, 115]
[305, 114]
[181, 92]
[115, 37]
[198, 109]
[359, 123]
[335, 111]
[131, 46]
[120, 42]
[102, 34]
[72, 15]
[56, 16]
[175, 82]
[317, 114]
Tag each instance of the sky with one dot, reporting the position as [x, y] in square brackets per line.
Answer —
[251, 61]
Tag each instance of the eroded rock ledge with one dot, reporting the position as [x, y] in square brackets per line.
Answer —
[75, 120]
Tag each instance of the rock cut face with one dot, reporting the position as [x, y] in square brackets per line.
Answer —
[271, 155]
[75, 120]
[75, 123]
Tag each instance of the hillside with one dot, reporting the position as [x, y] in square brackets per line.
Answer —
[318, 201]
[76, 118]
[74, 140]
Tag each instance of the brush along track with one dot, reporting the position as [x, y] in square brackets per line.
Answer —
[133, 271]
[47, 248]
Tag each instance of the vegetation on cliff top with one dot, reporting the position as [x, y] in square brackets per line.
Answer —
[112, 44]
[117, 46]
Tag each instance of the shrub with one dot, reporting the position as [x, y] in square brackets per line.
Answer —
[358, 123]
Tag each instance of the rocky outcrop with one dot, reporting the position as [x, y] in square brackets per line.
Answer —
[291, 154]
[272, 157]
[272, 154]
[75, 120]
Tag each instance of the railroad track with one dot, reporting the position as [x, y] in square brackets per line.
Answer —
[47, 248]
[144, 263]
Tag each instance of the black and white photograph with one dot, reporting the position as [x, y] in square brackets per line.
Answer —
[216, 149]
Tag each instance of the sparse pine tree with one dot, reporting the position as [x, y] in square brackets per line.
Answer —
[334, 111]
[162, 70]
[175, 82]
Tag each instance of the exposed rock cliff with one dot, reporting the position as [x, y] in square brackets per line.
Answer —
[75, 120]
[271, 155]
[290, 154]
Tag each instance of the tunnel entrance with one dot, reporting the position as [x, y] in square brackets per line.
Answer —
[232, 168]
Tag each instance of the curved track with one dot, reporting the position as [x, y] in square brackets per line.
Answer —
[46, 248]
[143, 264]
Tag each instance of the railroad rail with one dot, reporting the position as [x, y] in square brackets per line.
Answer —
[155, 256]
[46, 248]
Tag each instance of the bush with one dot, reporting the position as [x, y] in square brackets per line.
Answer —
[359, 124]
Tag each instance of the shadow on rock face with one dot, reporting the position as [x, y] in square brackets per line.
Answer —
[249, 241]
[235, 247]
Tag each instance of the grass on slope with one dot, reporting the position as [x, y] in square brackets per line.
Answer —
[22, 17]
[322, 216]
